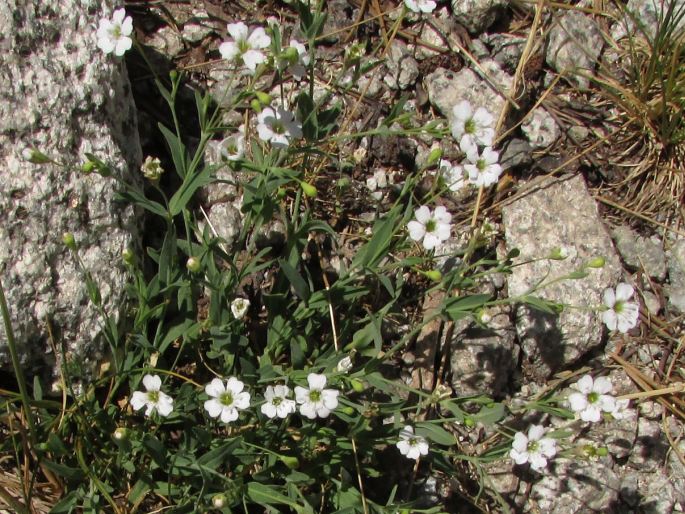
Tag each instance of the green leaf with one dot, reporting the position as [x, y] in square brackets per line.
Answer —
[459, 308]
[176, 331]
[177, 149]
[378, 246]
[295, 279]
[490, 414]
[435, 433]
[191, 183]
[542, 305]
[155, 449]
[213, 458]
[307, 113]
[137, 198]
[266, 495]
[67, 472]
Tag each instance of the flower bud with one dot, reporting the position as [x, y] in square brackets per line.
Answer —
[121, 434]
[264, 98]
[468, 421]
[347, 410]
[34, 156]
[484, 317]
[308, 189]
[291, 55]
[357, 385]
[128, 256]
[433, 275]
[597, 262]
[256, 106]
[193, 264]
[434, 156]
[173, 75]
[559, 253]
[219, 501]
[69, 241]
[291, 462]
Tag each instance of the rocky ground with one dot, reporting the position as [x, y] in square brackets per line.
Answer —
[566, 153]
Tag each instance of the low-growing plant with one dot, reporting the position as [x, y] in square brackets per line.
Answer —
[249, 379]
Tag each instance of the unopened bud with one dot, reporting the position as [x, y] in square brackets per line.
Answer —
[559, 253]
[433, 275]
[193, 264]
[291, 55]
[121, 434]
[484, 317]
[152, 168]
[128, 256]
[308, 189]
[264, 98]
[357, 385]
[468, 421]
[173, 75]
[434, 156]
[256, 106]
[597, 262]
[69, 241]
[219, 501]
[34, 156]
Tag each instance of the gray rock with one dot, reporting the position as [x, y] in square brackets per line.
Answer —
[675, 290]
[60, 94]
[517, 152]
[403, 69]
[652, 302]
[648, 492]
[476, 15]
[640, 252]
[540, 128]
[558, 213]
[167, 41]
[506, 49]
[198, 27]
[647, 13]
[574, 486]
[651, 447]
[483, 358]
[573, 46]
[447, 88]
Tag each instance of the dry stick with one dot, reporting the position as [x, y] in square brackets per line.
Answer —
[477, 207]
[359, 477]
[674, 444]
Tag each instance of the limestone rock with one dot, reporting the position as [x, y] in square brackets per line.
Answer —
[574, 44]
[640, 252]
[476, 15]
[60, 94]
[403, 69]
[675, 290]
[540, 129]
[558, 213]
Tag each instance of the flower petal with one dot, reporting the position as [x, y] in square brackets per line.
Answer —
[138, 400]
[152, 382]
[213, 407]
[602, 385]
[316, 381]
[422, 214]
[215, 388]
[624, 291]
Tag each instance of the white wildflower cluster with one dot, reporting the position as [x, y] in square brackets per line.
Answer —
[227, 398]
[420, 6]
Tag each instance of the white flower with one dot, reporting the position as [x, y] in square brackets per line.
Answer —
[153, 398]
[426, 6]
[245, 47]
[277, 402]
[472, 128]
[452, 175]
[239, 307]
[344, 365]
[114, 35]
[316, 401]
[433, 228]
[410, 445]
[622, 409]
[484, 169]
[278, 126]
[592, 398]
[152, 168]
[620, 313]
[299, 68]
[232, 147]
[533, 448]
[226, 400]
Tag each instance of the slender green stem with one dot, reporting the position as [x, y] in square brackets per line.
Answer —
[19, 373]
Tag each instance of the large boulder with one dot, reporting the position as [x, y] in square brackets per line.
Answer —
[60, 94]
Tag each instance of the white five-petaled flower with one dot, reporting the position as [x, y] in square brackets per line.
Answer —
[410, 445]
[484, 169]
[471, 128]
[114, 35]
[246, 46]
[277, 402]
[278, 126]
[152, 398]
[316, 401]
[533, 448]
[452, 175]
[620, 313]
[426, 6]
[239, 307]
[226, 400]
[232, 147]
[591, 398]
[433, 228]
[299, 68]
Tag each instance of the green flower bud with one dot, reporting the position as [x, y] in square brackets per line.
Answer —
[468, 421]
[128, 256]
[121, 434]
[280, 193]
[357, 385]
[343, 182]
[256, 106]
[152, 168]
[264, 98]
[34, 156]
[347, 410]
[597, 262]
[558, 254]
[291, 55]
[193, 264]
[69, 241]
[434, 156]
[308, 189]
[291, 462]
[173, 75]
[219, 501]
[433, 275]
